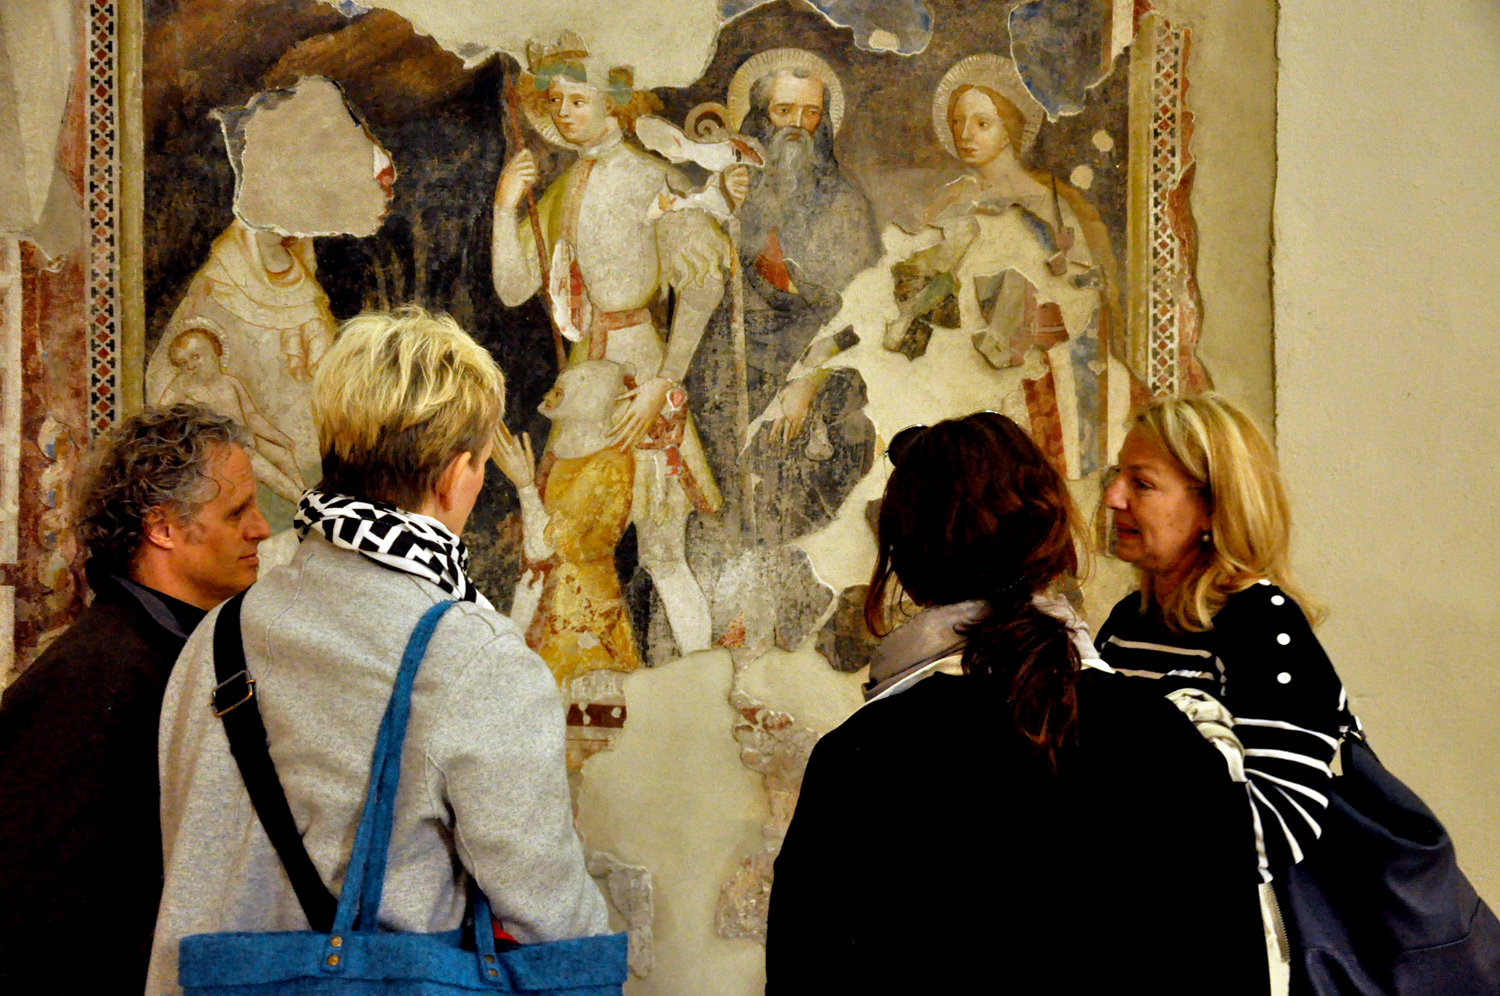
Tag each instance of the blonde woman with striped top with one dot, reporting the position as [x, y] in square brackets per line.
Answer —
[1199, 509]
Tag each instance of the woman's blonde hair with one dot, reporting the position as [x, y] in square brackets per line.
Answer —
[1221, 448]
[397, 397]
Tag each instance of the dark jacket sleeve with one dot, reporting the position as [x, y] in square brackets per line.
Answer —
[1288, 706]
[815, 916]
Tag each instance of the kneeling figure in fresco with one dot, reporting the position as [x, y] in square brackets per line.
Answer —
[569, 603]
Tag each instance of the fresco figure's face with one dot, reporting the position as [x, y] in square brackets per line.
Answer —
[796, 103]
[1159, 511]
[580, 112]
[978, 133]
[194, 356]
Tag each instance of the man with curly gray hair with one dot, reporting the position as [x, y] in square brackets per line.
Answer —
[166, 510]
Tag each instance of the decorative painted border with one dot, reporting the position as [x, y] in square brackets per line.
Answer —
[102, 202]
[1165, 311]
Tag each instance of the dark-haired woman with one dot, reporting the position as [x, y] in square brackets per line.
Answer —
[1000, 818]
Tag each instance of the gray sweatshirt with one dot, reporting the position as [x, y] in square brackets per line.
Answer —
[483, 789]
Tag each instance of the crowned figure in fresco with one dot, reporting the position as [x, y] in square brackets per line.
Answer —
[805, 229]
[609, 260]
[1023, 263]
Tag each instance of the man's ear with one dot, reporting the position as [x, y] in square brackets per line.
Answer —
[448, 480]
[160, 530]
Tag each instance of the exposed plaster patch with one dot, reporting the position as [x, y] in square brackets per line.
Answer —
[304, 164]
[630, 892]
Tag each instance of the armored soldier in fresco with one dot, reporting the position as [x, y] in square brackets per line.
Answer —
[607, 262]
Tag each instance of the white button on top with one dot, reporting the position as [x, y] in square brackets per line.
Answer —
[1262, 581]
[1284, 678]
[1283, 639]
[1278, 600]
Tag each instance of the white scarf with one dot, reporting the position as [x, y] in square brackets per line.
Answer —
[403, 541]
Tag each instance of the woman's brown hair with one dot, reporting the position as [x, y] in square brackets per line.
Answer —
[973, 510]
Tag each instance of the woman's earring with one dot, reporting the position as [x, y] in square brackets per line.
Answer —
[1206, 538]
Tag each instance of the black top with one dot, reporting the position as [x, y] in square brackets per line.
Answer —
[1262, 661]
[80, 834]
[929, 853]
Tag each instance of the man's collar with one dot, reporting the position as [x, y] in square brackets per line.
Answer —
[172, 614]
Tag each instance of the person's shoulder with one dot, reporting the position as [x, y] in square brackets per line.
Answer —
[1256, 609]
[1128, 724]
[94, 664]
[915, 714]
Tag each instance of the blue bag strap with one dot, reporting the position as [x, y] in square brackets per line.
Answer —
[365, 878]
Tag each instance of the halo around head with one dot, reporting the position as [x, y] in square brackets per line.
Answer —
[999, 74]
[764, 63]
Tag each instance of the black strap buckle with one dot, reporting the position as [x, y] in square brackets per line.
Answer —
[213, 699]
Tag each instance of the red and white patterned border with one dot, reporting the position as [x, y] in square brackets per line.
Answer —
[102, 200]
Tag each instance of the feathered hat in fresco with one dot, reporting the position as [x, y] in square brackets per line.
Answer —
[568, 59]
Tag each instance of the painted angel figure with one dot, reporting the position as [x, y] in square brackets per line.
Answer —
[608, 262]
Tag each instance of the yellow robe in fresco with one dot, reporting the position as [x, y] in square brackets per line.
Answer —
[580, 623]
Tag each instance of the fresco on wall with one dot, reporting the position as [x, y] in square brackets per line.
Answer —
[720, 265]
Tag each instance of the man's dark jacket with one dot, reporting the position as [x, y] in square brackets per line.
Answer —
[80, 833]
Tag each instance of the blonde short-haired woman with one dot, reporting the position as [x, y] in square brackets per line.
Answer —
[1199, 509]
[406, 407]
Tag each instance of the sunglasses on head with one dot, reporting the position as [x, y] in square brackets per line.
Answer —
[901, 443]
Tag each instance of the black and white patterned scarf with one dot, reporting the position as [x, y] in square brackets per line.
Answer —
[402, 541]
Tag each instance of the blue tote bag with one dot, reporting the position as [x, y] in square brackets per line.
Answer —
[355, 957]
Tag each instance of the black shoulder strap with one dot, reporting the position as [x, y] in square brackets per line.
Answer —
[234, 703]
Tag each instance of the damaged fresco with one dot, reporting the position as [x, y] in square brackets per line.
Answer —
[722, 255]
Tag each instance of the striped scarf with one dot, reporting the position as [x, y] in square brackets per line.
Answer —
[403, 541]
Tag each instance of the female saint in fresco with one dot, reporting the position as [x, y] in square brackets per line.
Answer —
[1023, 262]
[261, 289]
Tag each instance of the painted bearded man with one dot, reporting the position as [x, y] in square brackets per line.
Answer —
[806, 230]
[608, 262]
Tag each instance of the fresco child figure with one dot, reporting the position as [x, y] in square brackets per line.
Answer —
[197, 355]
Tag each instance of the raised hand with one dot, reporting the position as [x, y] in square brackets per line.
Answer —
[513, 457]
[518, 176]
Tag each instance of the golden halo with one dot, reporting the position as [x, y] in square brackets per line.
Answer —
[770, 61]
[999, 74]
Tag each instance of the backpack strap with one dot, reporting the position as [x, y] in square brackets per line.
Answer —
[234, 702]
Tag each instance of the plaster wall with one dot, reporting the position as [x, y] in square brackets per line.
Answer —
[1387, 284]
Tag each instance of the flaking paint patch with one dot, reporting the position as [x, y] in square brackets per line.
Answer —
[665, 46]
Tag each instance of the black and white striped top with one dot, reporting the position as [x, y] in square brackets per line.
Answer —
[1262, 661]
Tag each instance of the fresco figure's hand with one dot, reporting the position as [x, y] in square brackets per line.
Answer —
[513, 457]
[796, 402]
[632, 426]
[518, 176]
[737, 184]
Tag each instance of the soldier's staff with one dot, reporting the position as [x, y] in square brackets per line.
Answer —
[517, 141]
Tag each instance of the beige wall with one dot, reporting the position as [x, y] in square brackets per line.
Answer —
[1387, 287]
